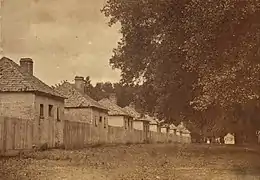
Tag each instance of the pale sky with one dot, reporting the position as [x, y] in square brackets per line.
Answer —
[64, 38]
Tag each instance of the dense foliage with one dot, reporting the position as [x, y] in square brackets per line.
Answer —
[217, 40]
[195, 57]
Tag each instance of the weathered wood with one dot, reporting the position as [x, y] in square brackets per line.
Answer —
[14, 134]
[79, 134]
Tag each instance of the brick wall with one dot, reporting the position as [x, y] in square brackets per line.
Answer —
[49, 128]
[18, 105]
[78, 114]
[117, 121]
[99, 118]
[27, 106]
[138, 125]
[153, 127]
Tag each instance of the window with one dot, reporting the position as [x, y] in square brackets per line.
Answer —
[105, 125]
[58, 114]
[129, 124]
[95, 121]
[125, 123]
[100, 119]
[41, 111]
[50, 110]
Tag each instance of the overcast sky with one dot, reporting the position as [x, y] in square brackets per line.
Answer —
[64, 38]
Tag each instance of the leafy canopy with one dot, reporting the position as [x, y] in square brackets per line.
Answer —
[199, 52]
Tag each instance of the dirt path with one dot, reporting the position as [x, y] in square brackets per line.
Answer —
[147, 162]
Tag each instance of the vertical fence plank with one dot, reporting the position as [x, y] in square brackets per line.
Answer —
[79, 134]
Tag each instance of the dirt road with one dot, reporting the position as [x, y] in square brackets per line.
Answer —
[136, 162]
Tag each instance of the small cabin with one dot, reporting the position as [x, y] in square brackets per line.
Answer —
[229, 139]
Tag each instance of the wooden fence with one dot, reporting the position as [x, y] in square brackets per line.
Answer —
[79, 135]
[18, 134]
[15, 134]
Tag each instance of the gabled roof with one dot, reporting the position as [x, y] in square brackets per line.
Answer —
[165, 126]
[172, 126]
[155, 121]
[229, 135]
[182, 128]
[13, 79]
[75, 98]
[146, 118]
[114, 109]
[131, 111]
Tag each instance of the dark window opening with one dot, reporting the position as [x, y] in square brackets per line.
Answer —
[95, 121]
[41, 111]
[105, 126]
[100, 119]
[125, 124]
[58, 114]
[129, 124]
[50, 110]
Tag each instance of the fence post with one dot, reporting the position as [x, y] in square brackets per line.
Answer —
[65, 134]
[5, 135]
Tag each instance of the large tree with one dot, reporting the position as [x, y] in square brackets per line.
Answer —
[201, 53]
[216, 40]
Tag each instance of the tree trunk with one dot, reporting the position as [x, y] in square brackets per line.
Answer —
[222, 141]
[239, 138]
[213, 140]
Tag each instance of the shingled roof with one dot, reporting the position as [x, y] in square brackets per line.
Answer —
[146, 118]
[13, 79]
[114, 109]
[131, 111]
[172, 126]
[182, 128]
[75, 98]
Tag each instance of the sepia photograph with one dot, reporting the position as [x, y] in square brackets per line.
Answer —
[129, 90]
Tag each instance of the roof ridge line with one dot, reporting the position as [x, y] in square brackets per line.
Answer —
[17, 67]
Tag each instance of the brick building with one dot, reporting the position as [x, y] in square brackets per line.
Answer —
[140, 122]
[80, 107]
[118, 117]
[154, 125]
[24, 96]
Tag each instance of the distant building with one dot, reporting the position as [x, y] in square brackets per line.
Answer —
[142, 123]
[80, 107]
[183, 131]
[24, 96]
[165, 128]
[139, 122]
[118, 117]
[229, 139]
[173, 129]
[154, 125]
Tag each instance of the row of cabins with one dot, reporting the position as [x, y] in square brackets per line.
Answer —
[24, 96]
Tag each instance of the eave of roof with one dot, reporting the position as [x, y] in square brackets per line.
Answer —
[13, 79]
[76, 99]
[114, 109]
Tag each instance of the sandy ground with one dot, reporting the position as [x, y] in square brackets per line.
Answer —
[137, 162]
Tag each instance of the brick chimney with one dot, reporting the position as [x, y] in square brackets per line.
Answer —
[79, 83]
[113, 98]
[26, 65]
